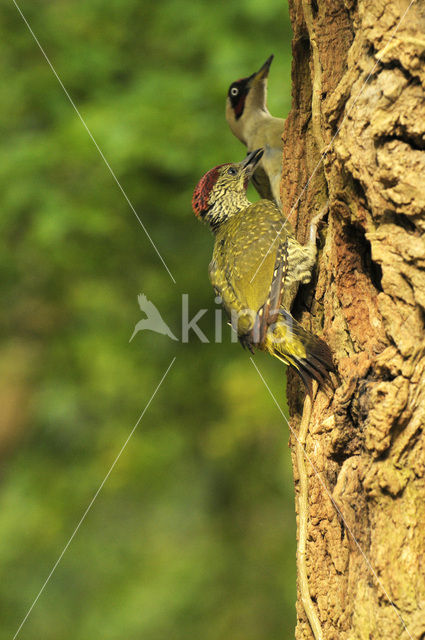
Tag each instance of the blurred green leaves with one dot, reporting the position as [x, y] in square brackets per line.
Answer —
[193, 535]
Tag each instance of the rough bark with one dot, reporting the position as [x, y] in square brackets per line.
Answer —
[358, 97]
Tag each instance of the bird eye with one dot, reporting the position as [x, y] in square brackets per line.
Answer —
[234, 91]
[232, 171]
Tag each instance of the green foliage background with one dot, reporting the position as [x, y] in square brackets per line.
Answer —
[193, 534]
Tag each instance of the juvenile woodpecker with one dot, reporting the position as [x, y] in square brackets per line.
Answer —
[251, 122]
[256, 268]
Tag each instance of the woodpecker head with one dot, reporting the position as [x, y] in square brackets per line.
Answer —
[221, 192]
[246, 99]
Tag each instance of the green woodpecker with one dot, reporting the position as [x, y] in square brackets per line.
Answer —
[256, 268]
[251, 122]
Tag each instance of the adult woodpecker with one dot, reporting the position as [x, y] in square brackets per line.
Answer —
[256, 268]
[251, 122]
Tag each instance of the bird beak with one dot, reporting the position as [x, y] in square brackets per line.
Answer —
[251, 161]
[263, 72]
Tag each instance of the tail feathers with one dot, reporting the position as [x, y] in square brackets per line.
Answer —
[308, 355]
[316, 365]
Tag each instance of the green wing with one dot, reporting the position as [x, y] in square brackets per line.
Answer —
[248, 266]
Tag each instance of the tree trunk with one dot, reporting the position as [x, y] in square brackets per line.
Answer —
[358, 98]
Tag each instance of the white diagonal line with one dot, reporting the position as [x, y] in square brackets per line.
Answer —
[347, 113]
[322, 482]
[93, 500]
[94, 141]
